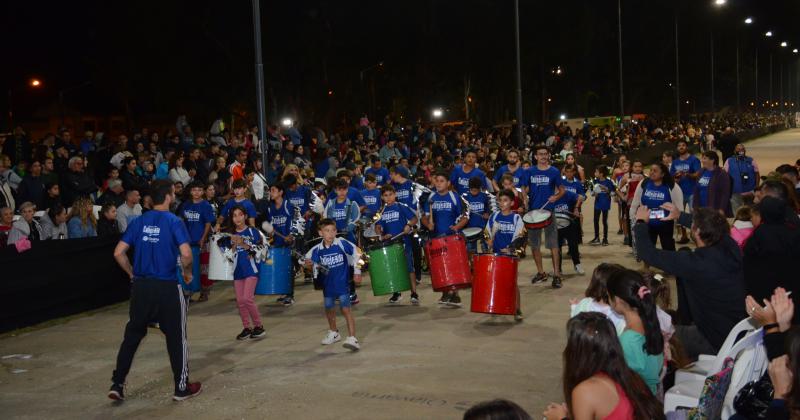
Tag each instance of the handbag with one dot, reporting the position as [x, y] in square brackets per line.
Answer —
[753, 400]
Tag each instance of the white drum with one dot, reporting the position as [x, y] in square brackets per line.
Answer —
[472, 233]
[370, 233]
[563, 220]
[219, 266]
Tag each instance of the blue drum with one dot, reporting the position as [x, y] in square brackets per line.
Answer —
[194, 286]
[273, 274]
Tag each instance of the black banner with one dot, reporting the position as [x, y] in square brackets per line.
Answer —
[58, 278]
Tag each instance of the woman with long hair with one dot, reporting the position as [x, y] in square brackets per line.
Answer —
[82, 223]
[657, 189]
[598, 384]
[642, 341]
[177, 173]
[294, 170]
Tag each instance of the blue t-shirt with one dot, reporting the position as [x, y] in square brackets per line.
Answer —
[460, 179]
[372, 198]
[478, 206]
[344, 214]
[381, 174]
[702, 187]
[281, 219]
[337, 258]
[653, 196]
[245, 264]
[299, 198]
[567, 202]
[155, 237]
[196, 215]
[575, 186]
[395, 217]
[689, 166]
[247, 204]
[602, 199]
[405, 193]
[444, 209]
[352, 195]
[357, 182]
[518, 175]
[503, 229]
[542, 184]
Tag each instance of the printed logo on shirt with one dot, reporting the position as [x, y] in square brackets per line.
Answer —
[562, 208]
[401, 195]
[704, 181]
[505, 227]
[540, 180]
[464, 182]
[332, 261]
[191, 215]
[390, 216]
[571, 188]
[681, 167]
[476, 207]
[279, 220]
[297, 201]
[151, 233]
[339, 213]
[654, 194]
[370, 200]
[441, 205]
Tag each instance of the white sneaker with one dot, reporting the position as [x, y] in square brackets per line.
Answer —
[351, 343]
[579, 269]
[332, 337]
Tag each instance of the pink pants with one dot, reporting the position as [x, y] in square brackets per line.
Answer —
[245, 289]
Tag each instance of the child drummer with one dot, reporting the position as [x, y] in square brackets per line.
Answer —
[479, 211]
[503, 228]
[445, 216]
[398, 218]
[337, 255]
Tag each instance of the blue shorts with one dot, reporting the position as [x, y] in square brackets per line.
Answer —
[687, 203]
[330, 301]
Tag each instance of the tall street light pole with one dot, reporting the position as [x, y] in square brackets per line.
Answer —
[619, 53]
[712, 71]
[520, 125]
[677, 73]
[262, 116]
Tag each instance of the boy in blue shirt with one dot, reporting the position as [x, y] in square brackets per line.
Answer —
[685, 170]
[479, 211]
[239, 187]
[461, 174]
[503, 227]
[404, 190]
[343, 211]
[198, 216]
[279, 215]
[337, 256]
[443, 217]
[398, 218]
[371, 195]
[603, 188]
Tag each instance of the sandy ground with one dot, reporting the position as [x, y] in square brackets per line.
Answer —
[416, 362]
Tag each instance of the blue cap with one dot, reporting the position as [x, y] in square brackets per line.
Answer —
[401, 170]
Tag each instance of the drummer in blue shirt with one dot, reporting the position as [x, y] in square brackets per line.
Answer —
[398, 218]
[502, 228]
[479, 212]
[381, 174]
[544, 186]
[513, 167]
[443, 217]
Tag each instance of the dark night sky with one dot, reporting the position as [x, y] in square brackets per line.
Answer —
[161, 58]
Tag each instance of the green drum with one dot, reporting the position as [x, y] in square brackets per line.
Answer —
[387, 269]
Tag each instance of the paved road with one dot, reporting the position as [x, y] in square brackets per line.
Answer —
[416, 362]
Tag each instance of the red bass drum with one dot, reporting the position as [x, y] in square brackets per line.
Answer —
[494, 290]
[448, 262]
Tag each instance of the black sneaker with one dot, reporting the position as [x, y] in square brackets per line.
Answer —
[288, 301]
[595, 241]
[556, 282]
[540, 277]
[354, 299]
[191, 390]
[281, 299]
[626, 241]
[605, 242]
[444, 299]
[396, 297]
[245, 334]
[116, 392]
[619, 232]
[414, 299]
[455, 300]
[257, 333]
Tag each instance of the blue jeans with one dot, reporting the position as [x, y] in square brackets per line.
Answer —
[330, 301]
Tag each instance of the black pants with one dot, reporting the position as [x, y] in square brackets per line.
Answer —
[416, 252]
[664, 232]
[572, 236]
[159, 301]
[597, 213]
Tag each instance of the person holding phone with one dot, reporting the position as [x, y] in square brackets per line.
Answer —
[652, 192]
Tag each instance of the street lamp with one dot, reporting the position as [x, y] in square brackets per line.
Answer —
[287, 122]
[784, 44]
[720, 2]
[768, 34]
[748, 21]
[437, 113]
[35, 83]
[562, 117]
[794, 50]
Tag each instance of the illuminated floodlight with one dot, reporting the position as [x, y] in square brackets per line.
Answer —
[287, 122]
[437, 113]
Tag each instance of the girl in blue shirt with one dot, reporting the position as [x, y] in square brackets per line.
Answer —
[652, 192]
[603, 188]
[642, 342]
[243, 238]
